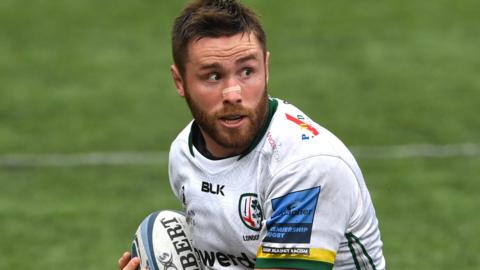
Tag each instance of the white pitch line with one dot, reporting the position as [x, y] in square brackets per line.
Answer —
[83, 159]
[417, 151]
[161, 157]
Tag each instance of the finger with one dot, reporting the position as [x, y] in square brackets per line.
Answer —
[132, 264]
[123, 261]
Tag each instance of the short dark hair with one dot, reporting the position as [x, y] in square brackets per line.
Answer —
[212, 18]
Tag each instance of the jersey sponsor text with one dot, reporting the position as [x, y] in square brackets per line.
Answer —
[210, 258]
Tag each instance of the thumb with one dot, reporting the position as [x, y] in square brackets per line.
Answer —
[132, 264]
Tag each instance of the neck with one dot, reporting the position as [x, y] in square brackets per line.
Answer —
[217, 150]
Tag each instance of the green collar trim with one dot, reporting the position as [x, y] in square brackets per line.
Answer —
[272, 108]
[190, 139]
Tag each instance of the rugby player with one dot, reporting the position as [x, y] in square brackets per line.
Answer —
[262, 185]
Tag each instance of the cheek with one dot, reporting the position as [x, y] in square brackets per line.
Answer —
[254, 89]
[205, 99]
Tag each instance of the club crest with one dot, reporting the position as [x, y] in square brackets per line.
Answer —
[250, 211]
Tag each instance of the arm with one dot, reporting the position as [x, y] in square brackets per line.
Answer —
[307, 208]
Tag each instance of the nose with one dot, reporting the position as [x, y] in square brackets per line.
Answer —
[232, 94]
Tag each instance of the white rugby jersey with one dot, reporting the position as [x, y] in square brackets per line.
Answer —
[295, 199]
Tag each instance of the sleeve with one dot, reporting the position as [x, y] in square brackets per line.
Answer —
[175, 174]
[308, 205]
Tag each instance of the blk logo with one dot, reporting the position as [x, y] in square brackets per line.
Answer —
[210, 188]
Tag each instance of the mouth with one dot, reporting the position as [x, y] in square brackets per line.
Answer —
[232, 121]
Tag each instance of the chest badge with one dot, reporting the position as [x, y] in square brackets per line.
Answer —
[250, 211]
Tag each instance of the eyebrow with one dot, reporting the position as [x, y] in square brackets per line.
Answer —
[246, 58]
[210, 66]
[241, 60]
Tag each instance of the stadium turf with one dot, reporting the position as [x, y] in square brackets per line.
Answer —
[93, 76]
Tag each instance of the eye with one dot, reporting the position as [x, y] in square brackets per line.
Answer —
[213, 77]
[246, 72]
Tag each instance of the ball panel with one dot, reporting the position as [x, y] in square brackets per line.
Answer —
[147, 232]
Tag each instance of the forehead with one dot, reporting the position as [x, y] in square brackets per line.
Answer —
[212, 50]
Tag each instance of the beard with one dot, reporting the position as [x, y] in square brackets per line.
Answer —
[236, 139]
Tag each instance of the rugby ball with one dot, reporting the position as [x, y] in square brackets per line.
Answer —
[163, 241]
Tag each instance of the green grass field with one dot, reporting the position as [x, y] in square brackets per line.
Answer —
[93, 76]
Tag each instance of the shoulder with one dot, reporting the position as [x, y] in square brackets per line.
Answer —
[294, 138]
[298, 153]
[181, 144]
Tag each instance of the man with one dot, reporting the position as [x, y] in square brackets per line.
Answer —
[262, 185]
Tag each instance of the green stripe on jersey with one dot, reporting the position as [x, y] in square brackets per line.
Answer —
[292, 264]
[354, 243]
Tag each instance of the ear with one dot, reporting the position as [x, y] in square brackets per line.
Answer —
[267, 61]
[177, 80]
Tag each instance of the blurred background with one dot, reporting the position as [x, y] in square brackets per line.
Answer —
[88, 111]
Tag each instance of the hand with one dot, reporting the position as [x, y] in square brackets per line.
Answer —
[126, 263]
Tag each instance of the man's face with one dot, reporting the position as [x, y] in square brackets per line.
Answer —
[225, 85]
